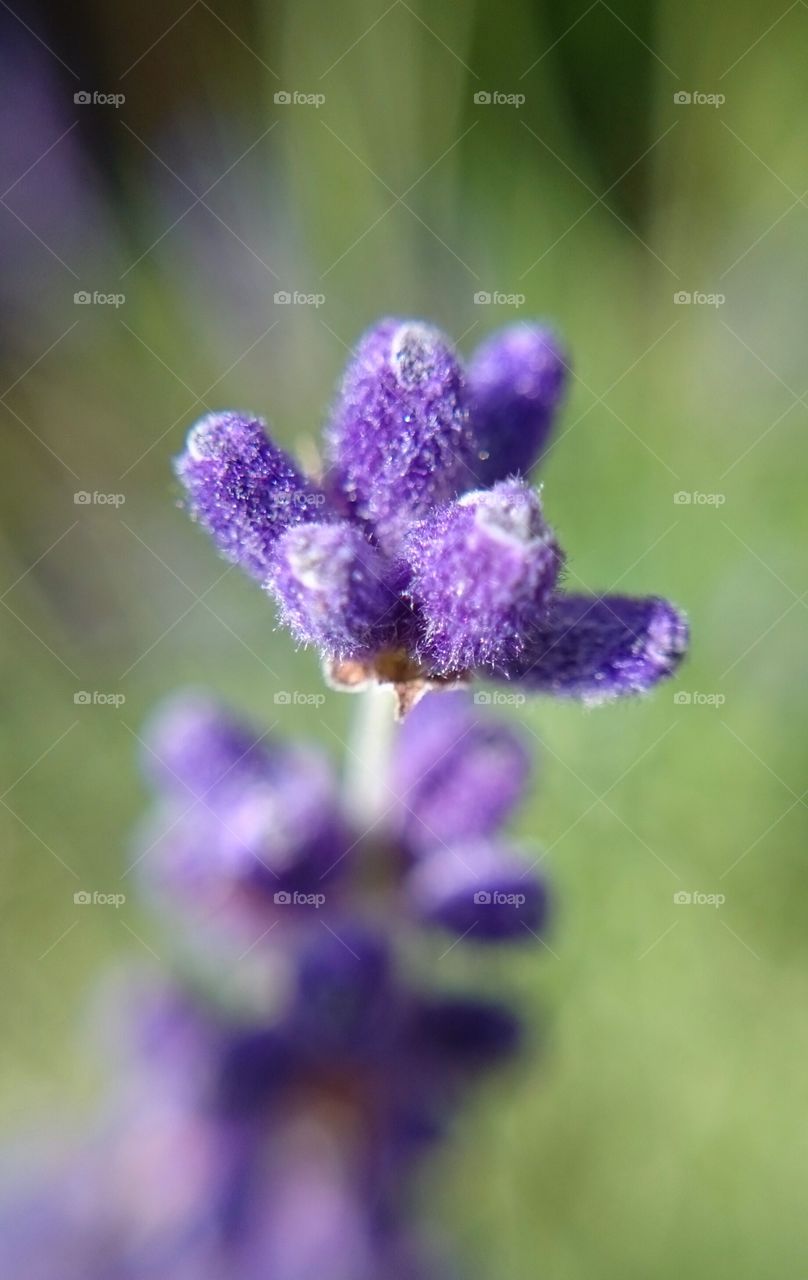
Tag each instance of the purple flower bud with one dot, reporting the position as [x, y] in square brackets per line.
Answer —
[517, 379]
[483, 572]
[334, 589]
[194, 746]
[399, 439]
[243, 488]
[597, 648]
[346, 998]
[481, 890]
[464, 1033]
[459, 772]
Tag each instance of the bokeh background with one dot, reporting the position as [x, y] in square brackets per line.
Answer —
[660, 1132]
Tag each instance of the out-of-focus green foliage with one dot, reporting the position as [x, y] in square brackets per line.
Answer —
[659, 1130]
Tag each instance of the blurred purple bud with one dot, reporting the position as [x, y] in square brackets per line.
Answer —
[460, 773]
[194, 745]
[480, 890]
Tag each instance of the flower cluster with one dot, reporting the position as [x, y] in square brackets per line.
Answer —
[422, 554]
[279, 1134]
[258, 828]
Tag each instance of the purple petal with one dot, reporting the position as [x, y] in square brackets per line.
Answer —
[459, 772]
[483, 572]
[465, 1033]
[243, 488]
[517, 379]
[193, 745]
[481, 890]
[334, 589]
[399, 440]
[601, 647]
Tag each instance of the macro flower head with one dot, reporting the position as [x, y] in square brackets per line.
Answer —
[422, 555]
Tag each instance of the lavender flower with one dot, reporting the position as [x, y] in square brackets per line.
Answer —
[424, 555]
[257, 829]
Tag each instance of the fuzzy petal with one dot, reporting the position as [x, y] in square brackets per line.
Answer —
[597, 648]
[517, 379]
[399, 439]
[483, 572]
[460, 772]
[244, 489]
[335, 590]
[482, 890]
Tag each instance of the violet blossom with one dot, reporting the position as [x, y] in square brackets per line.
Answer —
[422, 554]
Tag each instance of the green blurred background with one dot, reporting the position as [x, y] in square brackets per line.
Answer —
[660, 1132]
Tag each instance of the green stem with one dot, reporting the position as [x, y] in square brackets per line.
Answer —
[367, 768]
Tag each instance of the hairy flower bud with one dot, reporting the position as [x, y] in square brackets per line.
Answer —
[597, 648]
[334, 589]
[483, 571]
[399, 440]
[516, 380]
[243, 488]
